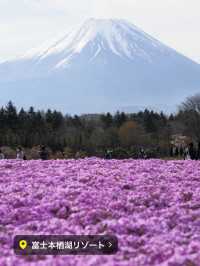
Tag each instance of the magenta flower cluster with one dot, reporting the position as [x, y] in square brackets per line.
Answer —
[152, 206]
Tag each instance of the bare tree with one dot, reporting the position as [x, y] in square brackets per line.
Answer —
[191, 104]
[190, 115]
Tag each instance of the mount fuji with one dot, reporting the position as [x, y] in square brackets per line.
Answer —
[102, 65]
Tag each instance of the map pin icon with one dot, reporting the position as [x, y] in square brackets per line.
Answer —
[23, 244]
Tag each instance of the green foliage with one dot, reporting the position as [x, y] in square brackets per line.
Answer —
[86, 135]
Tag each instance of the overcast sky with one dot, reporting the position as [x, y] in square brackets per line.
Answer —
[25, 24]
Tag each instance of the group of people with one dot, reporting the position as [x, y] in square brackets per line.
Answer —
[189, 152]
[20, 154]
[192, 153]
[140, 154]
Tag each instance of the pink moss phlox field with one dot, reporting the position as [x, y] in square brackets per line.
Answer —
[152, 206]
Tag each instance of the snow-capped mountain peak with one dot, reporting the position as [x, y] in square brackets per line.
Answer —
[102, 35]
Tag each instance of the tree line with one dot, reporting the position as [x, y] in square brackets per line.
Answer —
[91, 134]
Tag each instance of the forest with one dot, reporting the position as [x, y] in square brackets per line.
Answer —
[92, 134]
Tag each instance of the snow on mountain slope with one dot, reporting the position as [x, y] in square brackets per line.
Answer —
[117, 36]
[101, 65]
[121, 37]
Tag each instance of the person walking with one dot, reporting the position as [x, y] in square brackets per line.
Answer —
[20, 154]
[142, 154]
[192, 151]
[108, 154]
[186, 154]
[43, 153]
[198, 152]
[2, 156]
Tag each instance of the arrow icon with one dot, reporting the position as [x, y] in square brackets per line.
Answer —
[110, 244]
